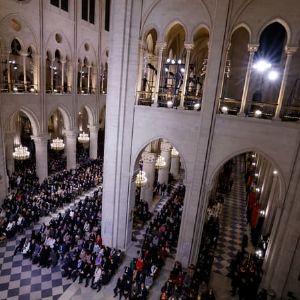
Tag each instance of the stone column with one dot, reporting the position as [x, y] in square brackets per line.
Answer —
[8, 72]
[149, 71]
[289, 52]
[70, 148]
[93, 141]
[88, 78]
[41, 156]
[93, 79]
[80, 78]
[175, 163]
[36, 68]
[163, 173]
[141, 67]
[10, 162]
[188, 48]
[161, 47]
[224, 84]
[70, 77]
[51, 75]
[149, 168]
[252, 48]
[63, 62]
[24, 55]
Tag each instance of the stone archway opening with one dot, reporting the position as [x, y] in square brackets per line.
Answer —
[56, 153]
[157, 201]
[83, 145]
[240, 223]
[19, 135]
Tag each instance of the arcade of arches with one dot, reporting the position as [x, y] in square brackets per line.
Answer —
[149, 149]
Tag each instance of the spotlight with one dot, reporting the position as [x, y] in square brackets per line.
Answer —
[258, 190]
[173, 61]
[166, 70]
[15, 89]
[32, 90]
[55, 90]
[273, 75]
[169, 103]
[182, 70]
[179, 61]
[196, 106]
[253, 164]
[168, 60]
[256, 174]
[224, 109]
[258, 113]
[262, 65]
[275, 172]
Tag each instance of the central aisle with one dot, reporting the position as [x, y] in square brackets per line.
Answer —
[233, 225]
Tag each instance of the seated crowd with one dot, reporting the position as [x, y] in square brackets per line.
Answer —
[28, 202]
[193, 283]
[160, 237]
[75, 238]
[56, 163]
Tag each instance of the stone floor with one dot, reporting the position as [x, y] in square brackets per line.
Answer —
[233, 225]
[22, 280]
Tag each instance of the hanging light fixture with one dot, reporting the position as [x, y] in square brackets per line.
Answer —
[141, 179]
[83, 138]
[21, 153]
[57, 144]
[160, 162]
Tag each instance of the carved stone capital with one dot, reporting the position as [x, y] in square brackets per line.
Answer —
[252, 47]
[188, 46]
[148, 157]
[290, 50]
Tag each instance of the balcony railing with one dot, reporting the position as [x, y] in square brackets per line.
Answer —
[168, 100]
[263, 110]
[18, 88]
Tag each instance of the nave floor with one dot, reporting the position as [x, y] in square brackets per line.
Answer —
[233, 225]
[22, 280]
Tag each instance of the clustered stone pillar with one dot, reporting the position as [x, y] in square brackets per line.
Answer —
[149, 169]
[161, 48]
[188, 48]
[41, 156]
[71, 139]
[94, 129]
[175, 163]
[252, 48]
[289, 51]
[163, 173]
